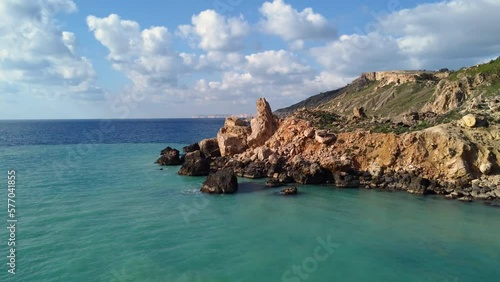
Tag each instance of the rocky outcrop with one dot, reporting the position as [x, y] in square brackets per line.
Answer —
[398, 77]
[232, 138]
[449, 95]
[222, 182]
[263, 125]
[419, 151]
[169, 156]
[359, 112]
[195, 164]
[210, 147]
[191, 148]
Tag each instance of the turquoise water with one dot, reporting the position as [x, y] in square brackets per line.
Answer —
[112, 215]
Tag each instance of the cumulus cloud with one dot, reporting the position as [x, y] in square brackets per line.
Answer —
[144, 56]
[283, 20]
[211, 31]
[445, 34]
[35, 51]
[281, 76]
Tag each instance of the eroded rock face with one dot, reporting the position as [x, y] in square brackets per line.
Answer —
[232, 138]
[223, 181]
[169, 156]
[263, 126]
[449, 95]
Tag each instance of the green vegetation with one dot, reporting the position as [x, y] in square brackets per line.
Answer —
[493, 67]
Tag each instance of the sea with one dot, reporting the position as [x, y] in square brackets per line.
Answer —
[91, 205]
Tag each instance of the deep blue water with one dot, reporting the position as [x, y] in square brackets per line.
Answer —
[101, 210]
[61, 132]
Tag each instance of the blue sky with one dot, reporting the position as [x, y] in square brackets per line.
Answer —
[161, 59]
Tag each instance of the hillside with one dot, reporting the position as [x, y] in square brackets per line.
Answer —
[393, 93]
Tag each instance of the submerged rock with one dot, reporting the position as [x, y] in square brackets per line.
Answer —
[289, 191]
[222, 182]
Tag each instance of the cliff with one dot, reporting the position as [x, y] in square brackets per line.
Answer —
[440, 134]
[395, 93]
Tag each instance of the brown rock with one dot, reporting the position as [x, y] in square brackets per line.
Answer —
[359, 112]
[325, 137]
[485, 168]
[469, 120]
[232, 138]
[309, 133]
[209, 147]
[263, 126]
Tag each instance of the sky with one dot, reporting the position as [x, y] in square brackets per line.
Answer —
[65, 59]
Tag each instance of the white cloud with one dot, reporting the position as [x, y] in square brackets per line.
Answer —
[35, 51]
[144, 56]
[446, 34]
[283, 20]
[281, 76]
[278, 66]
[211, 31]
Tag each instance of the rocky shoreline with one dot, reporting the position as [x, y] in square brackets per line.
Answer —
[457, 160]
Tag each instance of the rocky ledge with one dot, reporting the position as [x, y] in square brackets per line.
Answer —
[459, 159]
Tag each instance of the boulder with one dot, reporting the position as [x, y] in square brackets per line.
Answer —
[255, 170]
[375, 170]
[309, 133]
[232, 138]
[169, 156]
[263, 125]
[469, 120]
[263, 153]
[191, 148]
[195, 164]
[418, 186]
[222, 182]
[359, 112]
[209, 147]
[325, 137]
[289, 191]
[485, 168]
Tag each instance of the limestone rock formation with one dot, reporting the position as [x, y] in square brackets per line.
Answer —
[222, 182]
[210, 147]
[263, 126]
[232, 138]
